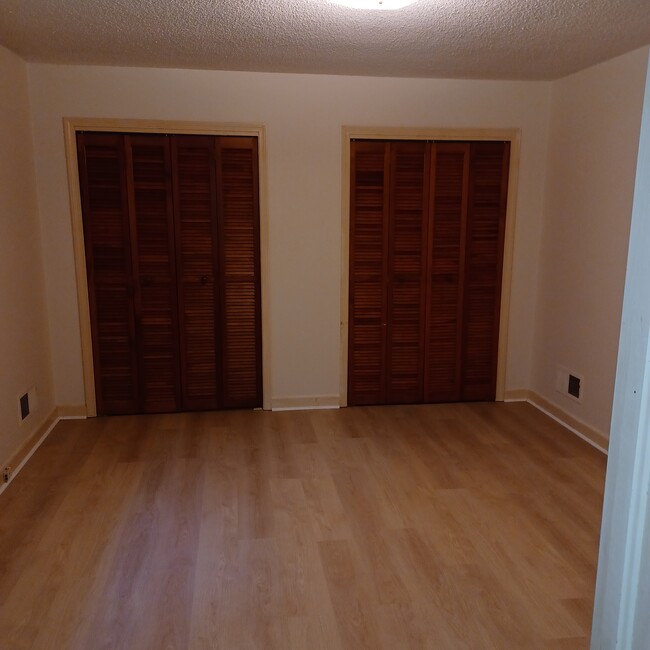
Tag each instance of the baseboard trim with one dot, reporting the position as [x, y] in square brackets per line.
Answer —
[593, 436]
[70, 412]
[20, 459]
[305, 402]
[518, 395]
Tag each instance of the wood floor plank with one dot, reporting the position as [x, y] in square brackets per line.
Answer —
[355, 608]
[432, 527]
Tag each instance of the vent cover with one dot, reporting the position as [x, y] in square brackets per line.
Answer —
[574, 386]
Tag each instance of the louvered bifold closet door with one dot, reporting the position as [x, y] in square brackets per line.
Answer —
[154, 261]
[427, 230]
[443, 345]
[488, 189]
[171, 227]
[369, 211]
[195, 201]
[239, 263]
[104, 201]
[407, 270]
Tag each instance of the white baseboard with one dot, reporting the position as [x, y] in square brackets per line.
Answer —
[39, 436]
[518, 395]
[588, 433]
[78, 412]
[305, 402]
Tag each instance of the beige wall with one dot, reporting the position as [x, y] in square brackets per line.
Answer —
[24, 348]
[593, 142]
[567, 285]
[303, 115]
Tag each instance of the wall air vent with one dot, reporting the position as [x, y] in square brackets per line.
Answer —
[24, 406]
[574, 386]
[569, 383]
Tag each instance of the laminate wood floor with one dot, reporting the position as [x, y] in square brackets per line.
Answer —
[442, 527]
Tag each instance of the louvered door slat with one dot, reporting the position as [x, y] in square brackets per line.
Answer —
[196, 228]
[238, 240]
[110, 280]
[370, 165]
[407, 255]
[445, 278]
[485, 237]
[152, 235]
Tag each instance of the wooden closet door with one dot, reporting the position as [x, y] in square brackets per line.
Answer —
[446, 272]
[195, 202]
[154, 267]
[104, 200]
[239, 267]
[427, 225]
[407, 270]
[369, 222]
[171, 226]
[488, 190]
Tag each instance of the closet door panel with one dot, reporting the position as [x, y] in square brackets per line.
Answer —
[171, 227]
[196, 227]
[407, 264]
[450, 174]
[152, 234]
[110, 278]
[369, 212]
[427, 227]
[238, 206]
[485, 238]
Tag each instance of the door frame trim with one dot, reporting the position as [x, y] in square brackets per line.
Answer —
[350, 133]
[70, 127]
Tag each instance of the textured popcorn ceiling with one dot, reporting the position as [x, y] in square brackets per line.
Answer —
[491, 39]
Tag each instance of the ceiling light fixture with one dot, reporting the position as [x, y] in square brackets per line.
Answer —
[382, 5]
